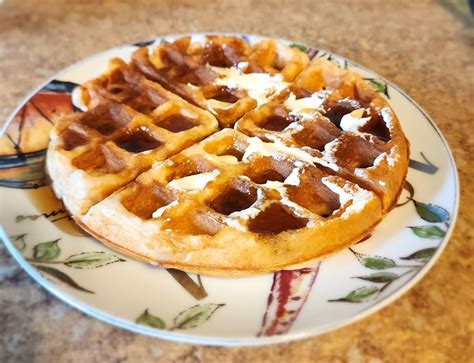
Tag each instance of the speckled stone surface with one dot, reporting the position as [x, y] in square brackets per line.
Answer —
[418, 45]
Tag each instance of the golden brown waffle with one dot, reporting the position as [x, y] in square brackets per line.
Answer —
[335, 115]
[314, 162]
[222, 207]
[134, 123]
[222, 74]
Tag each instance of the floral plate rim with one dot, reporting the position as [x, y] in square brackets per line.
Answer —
[236, 341]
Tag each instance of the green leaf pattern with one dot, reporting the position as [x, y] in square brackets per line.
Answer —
[378, 263]
[423, 255]
[90, 260]
[428, 212]
[46, 251]
[61, 276]
[150, 320]
[432, 232]
[301, 47]
[360, 295]
[195, 316]
[374, 262]
[431, 213]
[378, 85]
[186, 319]
[383, 276]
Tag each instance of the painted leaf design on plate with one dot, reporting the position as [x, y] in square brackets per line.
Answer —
[150, 320]
[19, 241]
[428, 231]
[423, 255]
[62, 277]
[431, 213]
[425, 167]
[195, 316]
[145, 43]
[90, 260]
[197, 290]
[383, 276]
[378, 263]
[360, 295]
[47, 251]
[299, 46]
[374, 262]
[378, 85]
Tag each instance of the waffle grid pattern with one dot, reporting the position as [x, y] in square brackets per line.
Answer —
[303, 146]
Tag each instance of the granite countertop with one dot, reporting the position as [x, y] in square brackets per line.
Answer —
[419, 45]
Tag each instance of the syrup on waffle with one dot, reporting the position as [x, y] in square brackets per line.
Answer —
[315, 160]
[222, 74]
[132, 123]
[233, 205]
[335, 115]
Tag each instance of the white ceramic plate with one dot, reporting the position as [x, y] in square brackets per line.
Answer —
[248, 311]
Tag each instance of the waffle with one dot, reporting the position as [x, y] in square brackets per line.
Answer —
[222, 74]
[151, 169]
[222, 207]
[132, 123]
[335, 115]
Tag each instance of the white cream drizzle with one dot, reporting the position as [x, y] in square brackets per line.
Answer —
[293, 178]
[280, 188]
[364, 172]
[213, 105]
[294, 127]
[384, 156]
[271, 148]
[387, 117]
[251, 211]
[354, 120]
[305, 108]
[243, 66]
[77, 99]
[222, 159]
[259, 86]
[239, 218]
[159, 212]
[359, 197]
[194, 182]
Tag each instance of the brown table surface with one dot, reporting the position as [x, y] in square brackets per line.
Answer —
[419, 45]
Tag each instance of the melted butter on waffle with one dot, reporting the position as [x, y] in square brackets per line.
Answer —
[222, 159]
[239, 219]
[193, 182]
[280, 187]
[356, 196]
[305, 108]
[159, 212]
[294, 177]
[259, 86]
[218, 105]
[354, 120]
[77, 98]
[273, 149]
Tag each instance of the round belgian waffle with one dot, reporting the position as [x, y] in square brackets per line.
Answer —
[151, 168]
